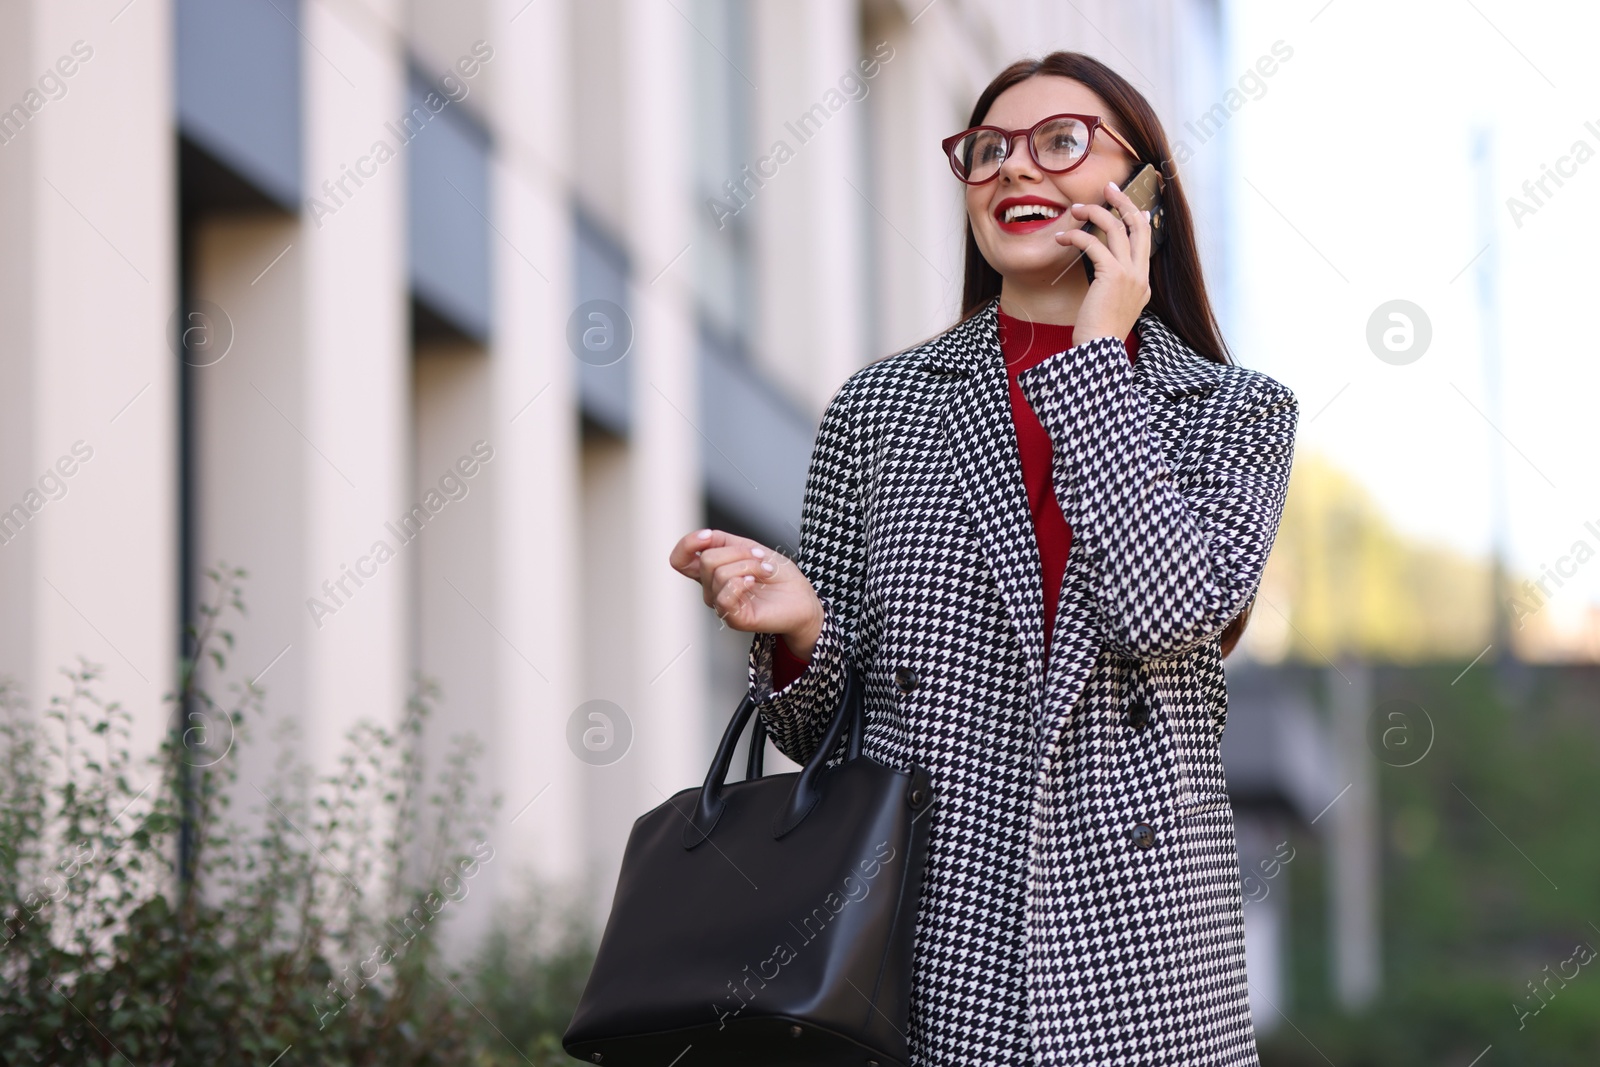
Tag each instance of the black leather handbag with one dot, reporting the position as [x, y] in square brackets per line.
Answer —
[768, 921]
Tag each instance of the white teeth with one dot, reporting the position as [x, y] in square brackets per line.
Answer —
[1030, 209]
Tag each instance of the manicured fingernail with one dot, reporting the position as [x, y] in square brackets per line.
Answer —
[703, 534]
[769, 568]
[1147, 216]
[758, 552]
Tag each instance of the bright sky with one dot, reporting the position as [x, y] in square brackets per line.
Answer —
[1355, 185]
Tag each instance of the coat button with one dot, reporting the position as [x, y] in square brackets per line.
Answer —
[1138, 713]
[1144, 835]
[905, 679]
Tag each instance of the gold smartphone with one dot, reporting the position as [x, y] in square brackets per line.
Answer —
[1144, 189]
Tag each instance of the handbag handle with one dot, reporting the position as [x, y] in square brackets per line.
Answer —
[848, 715]
[758, 749]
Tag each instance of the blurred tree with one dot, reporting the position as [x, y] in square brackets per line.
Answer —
[1351, 585]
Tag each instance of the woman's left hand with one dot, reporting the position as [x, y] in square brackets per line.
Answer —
[1121, 286]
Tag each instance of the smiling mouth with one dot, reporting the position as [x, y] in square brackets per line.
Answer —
[1029, 213]
[1028, 218]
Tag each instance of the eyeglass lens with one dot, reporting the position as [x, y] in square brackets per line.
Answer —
[1057, 145]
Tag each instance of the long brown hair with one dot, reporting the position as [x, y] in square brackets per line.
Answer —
[1177, 285]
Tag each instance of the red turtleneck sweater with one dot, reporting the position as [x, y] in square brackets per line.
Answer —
[1023, 344]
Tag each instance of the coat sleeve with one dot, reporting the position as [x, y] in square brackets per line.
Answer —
[832, 555]
[1172, 563]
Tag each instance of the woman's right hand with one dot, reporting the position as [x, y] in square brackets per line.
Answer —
[751, 587]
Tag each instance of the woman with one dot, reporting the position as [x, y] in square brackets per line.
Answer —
[1036, 535]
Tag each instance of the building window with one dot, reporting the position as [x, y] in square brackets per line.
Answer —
[726, 184]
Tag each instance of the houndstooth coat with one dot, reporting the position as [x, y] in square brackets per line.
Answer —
[1082, 902]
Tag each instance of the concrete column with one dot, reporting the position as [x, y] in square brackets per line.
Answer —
[656, 613]
[614, 791]
[250, 465]
[88, 386]
[809, 221]
[1264, 858]
[303, 430]
[356, 386]
[1353, 858]
[533, 415]
[919, 223]
[458, 600]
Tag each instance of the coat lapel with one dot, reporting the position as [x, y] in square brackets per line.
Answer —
[977, 422]
[983, 442]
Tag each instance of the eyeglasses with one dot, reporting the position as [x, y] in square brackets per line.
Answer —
[1058, 143]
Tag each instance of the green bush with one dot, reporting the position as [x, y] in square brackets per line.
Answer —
[145, 921]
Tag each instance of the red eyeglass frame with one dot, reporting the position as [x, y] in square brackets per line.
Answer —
[1093, 122]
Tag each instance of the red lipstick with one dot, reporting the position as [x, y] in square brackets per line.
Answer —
[1027, 225]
